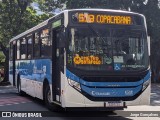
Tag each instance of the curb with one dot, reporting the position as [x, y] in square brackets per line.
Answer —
[4, 83]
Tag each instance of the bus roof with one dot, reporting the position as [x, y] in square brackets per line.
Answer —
[30, 30]
[46, 21]
[105, 10]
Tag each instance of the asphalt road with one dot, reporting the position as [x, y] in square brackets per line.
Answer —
[11, 101]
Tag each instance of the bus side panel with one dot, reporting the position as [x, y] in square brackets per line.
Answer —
[32, 74]
[72, 98]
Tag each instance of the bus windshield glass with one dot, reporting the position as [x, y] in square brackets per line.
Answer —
[103, 48]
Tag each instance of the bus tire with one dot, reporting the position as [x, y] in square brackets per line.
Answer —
[20, 92]
[47, 98]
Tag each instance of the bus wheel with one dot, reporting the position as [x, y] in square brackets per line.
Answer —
[20, 92]
[51, 106]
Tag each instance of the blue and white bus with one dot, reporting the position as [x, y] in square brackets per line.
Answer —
[84, 58]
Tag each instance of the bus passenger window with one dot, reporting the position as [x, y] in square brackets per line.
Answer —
[23, 49]
[29, 55]
[11, 51]
[18, 49]
[45, 43]
[36, 45]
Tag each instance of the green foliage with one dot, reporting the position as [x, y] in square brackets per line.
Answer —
[16, 17]
[11, 15]
[2, 57]
[109, 4]
[51, 5]
[48, 6]
[32, 18]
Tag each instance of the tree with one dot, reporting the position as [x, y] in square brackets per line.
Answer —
[49, 6]
[2, 58]
[16, 16]
[153, 16]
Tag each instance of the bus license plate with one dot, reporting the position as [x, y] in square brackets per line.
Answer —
[115, 104]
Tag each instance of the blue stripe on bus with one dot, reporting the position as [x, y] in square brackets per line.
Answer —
[36, 70]
[114, 92]
[72, 76]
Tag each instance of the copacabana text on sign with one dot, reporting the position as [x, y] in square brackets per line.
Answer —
[104, 19]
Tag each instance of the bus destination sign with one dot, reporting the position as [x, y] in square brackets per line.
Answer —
[103, 18]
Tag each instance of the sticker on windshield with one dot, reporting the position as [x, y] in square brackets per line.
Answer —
[87, 60]
[133, 66]
[117, 66]
[108, 60]
[118, 59]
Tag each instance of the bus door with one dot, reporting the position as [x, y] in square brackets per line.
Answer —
[14, 62]
[57, 63]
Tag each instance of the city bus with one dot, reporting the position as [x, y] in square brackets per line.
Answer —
[84, 58]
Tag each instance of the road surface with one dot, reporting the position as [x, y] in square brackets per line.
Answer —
[11, 101]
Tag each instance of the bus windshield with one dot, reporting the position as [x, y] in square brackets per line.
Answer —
[104, 48]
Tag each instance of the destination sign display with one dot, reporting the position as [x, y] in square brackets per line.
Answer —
[87, 60]
[103, 18]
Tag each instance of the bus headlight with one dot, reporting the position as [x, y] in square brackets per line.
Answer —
[74, 84]
[145, 84]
